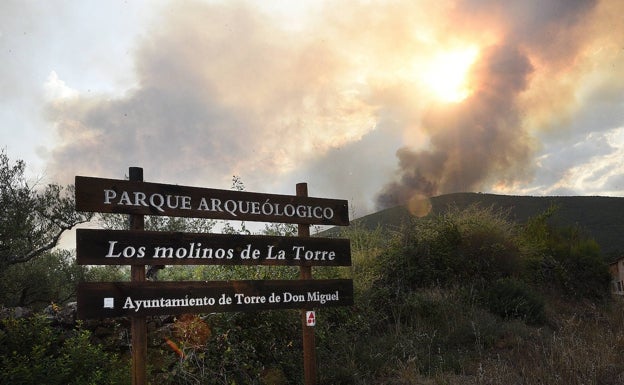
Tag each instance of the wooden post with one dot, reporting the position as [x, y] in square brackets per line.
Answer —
[138, 324]
[305, 272]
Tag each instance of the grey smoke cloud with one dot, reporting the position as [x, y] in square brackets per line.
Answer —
[222, 90]
[485, 140]
[479, 137]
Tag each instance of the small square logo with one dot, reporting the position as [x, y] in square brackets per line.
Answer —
[109, 303]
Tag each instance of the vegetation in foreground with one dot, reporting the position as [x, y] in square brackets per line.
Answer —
[463, 297]
[467, 297]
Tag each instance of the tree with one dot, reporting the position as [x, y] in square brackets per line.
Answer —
[564, 258]
[33, 217]
[40, 281]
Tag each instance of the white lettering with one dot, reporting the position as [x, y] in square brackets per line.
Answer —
[203, 205]
[128, 304]
[125, 199]
[313, 255]
[216, 204]
[139, 199]
[290, 208]
[108, 195]
[177, 201]
[242, 299]
[248, 253]
[111, 246]
[163, 252]
[129, 251]
[181, 253]
[270, 251]
[229, 208]
[289, 297]
[235, 208]
[158, 206]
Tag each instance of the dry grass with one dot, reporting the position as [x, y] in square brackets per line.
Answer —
[585, 346]
[585, 349]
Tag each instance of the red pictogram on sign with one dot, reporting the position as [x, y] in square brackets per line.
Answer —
[310, 318]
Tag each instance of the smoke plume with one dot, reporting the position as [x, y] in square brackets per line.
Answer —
[484, 140]
[478, 138]
[340, 98]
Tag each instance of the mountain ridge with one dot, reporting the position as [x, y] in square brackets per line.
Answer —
[601, 217]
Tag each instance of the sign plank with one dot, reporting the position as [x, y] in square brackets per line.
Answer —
[132, 197]
[117, 299]
[122, 247]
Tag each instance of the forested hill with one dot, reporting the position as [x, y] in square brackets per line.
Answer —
[602, 218]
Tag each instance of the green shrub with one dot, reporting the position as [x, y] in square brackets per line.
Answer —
[587, 276]
[32, 352]
[243, 348]
[474, 246]
[511, 298]
[564, 259]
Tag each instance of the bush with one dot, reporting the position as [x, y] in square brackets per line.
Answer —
[474, 247]
[511, 298]
[32, 352]
[564, 259]
[587, 276]
[235, 348]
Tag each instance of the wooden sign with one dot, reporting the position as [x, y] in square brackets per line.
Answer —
[116, 247]
[140, 298]
[142, 198]
[115, 299]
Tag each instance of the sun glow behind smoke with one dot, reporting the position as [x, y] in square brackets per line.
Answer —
[424, 97]
[446, 74]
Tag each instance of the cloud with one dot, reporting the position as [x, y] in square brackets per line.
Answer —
[220, 91]
[477, 138]
[56, 89]
[525, 83]
[339, 99]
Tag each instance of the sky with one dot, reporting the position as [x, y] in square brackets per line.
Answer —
[378, 102]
